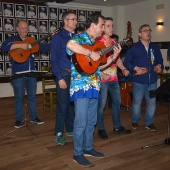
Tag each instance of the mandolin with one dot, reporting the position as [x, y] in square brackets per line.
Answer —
[85, 64]
[20, 55]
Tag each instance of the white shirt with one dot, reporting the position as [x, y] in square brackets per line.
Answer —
[52, 28]
[43, 15]
[31, 14]
[43, 29]
[9, 27]
[7, 12]
[53, 15]
[19, 13]
[32, 28]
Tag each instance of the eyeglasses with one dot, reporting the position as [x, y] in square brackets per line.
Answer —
[145, 31]
[73, 19]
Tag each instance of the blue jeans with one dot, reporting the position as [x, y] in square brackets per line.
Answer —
[85, 119]
[65, 109]
[19, 86]
[114, 90]
[140, 91]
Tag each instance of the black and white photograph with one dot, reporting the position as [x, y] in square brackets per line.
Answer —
[42, 12]
[1, 68]
[1, 55]
[53, 25]
[32, 25]
[8, 9]
[9, 24]
[36, 55]
[44, 55]
[20, 10]
[31, 11]
[44, 64]
[43, 26]
[90, 13]
[8, 68]
[61, 11]
[53, 13]
[36, 64]
[1, 39]
[82, 15]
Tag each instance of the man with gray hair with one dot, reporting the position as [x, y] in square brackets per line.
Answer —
[144, 59]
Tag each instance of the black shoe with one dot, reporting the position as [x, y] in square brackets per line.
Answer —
[93, 153]
[103, 135]
[18, 124]
[37, 121]
[122, 130]
[80, 159]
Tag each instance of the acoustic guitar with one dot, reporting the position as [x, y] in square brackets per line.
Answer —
[20, 55]
[85, 64]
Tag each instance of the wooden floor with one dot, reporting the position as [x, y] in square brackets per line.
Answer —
[24, 150]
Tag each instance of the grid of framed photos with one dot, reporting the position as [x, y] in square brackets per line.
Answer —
[41, 20]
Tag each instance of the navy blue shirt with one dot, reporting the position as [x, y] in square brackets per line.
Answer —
[137, 55]
[29, 63]
[168, 52]
[59, 59]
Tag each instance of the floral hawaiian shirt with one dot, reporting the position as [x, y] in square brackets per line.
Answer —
[83, 85]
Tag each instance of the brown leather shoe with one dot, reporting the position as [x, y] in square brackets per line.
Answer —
[151, 127]
[135, 126]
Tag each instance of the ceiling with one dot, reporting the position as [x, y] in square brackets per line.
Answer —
[108, 2]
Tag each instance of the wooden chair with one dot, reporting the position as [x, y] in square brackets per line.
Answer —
[48, 89]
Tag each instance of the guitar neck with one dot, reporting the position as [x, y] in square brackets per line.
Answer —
[42, 38]
[110, 48]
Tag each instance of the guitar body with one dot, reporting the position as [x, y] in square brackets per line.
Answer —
[21, 55]
[81, 62]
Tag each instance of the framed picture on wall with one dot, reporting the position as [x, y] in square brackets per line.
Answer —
[20, 10]
[32, 25]
[8, 9]
[90, 13]
[44, 41]
[31, 11]
[0, 23]
[82, 15]
[42, 12]
[53, 25]
[82, 25]
[2, 69]
[43, 26]
[1, 39]
[8, 68]
[44, 55]
[53, 13]
[1, 56]
[9, 24]
[61, 11]
[36, 64]
[60, 24]
[44, 63]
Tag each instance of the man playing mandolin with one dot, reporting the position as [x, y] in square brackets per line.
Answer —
[22, 83]
[84, 90]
